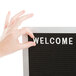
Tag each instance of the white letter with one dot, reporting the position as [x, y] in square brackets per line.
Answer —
[41, 40]
[51, 42]
[46, 41]
[58, 40]
[64, 40]
[36, 40]
[71, 41]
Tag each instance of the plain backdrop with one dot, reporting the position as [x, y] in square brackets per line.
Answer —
[47, 13]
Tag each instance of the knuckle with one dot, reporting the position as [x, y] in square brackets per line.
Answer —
[24, 28]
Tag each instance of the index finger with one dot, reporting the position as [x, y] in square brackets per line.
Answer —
[25, 31]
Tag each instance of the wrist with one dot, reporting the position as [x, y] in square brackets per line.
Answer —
[1, 49]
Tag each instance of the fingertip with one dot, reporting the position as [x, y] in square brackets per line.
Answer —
[33, 36]
[28, 44]
[30, 15]
[9, 12]
[34, 44]
[30, 33]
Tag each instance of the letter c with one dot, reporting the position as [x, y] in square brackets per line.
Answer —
[51, 40]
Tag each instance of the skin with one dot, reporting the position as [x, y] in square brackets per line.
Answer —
[9, 41]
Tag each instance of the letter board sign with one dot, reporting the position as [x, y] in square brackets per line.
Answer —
[54, 54]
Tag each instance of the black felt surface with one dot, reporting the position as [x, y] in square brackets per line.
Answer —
[52, 60]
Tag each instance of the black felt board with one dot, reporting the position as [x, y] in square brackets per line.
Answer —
[53, 60]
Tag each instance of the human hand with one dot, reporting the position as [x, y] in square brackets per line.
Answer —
[9, 41]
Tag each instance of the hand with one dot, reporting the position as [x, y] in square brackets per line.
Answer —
[9, 41]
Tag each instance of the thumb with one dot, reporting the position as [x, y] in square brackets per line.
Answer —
[28, 44]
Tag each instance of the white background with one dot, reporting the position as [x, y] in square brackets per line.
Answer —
[53, 13]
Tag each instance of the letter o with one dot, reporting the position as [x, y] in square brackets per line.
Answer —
[58, 40]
